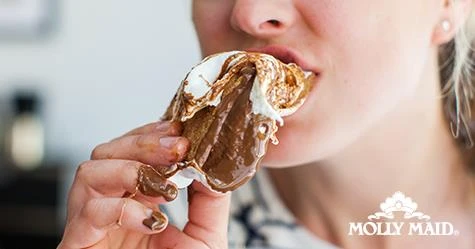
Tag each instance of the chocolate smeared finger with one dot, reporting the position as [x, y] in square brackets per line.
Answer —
[230, 105]
[152, 183]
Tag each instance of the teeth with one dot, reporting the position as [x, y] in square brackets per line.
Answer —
[230, 105]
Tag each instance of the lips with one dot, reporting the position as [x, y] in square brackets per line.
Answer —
[286, 55]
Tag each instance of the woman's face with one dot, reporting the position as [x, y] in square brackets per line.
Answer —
[369, 56]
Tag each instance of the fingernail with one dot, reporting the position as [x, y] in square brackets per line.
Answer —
[163, 126]
[168, 142]
[156, 222]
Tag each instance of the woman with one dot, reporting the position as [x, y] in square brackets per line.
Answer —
[375, 124]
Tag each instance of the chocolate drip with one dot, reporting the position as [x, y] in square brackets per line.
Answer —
[151, 183]
[233, 158]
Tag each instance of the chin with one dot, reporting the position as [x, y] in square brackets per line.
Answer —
[298, 146]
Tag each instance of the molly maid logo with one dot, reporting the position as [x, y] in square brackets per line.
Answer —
[414, 223]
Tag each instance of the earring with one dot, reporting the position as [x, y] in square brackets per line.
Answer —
[446, 25]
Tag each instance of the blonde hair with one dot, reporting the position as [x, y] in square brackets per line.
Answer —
[457, 75]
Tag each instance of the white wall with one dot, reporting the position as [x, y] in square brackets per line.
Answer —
[110, 66]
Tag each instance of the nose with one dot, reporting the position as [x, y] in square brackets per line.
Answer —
[262, 18]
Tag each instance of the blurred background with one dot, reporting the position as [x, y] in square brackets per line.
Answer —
[74, 74]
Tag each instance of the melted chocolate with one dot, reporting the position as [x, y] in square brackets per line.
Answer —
[228, 140]
[157, 222]
[151, 183]
[227, 154]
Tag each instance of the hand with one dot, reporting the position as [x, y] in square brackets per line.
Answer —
[108, 206]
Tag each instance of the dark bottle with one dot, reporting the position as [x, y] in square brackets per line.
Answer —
[25, 143]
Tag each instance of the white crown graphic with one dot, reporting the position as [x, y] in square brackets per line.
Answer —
[398, 203]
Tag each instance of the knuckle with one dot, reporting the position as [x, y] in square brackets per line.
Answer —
[82, 169]
[139, 141]
[97, 151]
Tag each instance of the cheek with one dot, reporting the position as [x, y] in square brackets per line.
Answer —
[373, 64]
[212, 25]
[378, 72]
[376, 59]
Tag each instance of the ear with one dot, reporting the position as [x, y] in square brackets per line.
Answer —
[453, 16]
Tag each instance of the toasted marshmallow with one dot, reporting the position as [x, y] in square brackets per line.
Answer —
[200, 83]
[277, 90]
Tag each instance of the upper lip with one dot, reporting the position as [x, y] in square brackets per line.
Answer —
[286, 55]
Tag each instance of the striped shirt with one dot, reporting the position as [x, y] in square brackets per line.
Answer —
[258, 219]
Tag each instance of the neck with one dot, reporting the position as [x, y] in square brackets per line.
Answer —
[419, 158]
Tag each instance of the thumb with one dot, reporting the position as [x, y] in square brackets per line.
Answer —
[207, 226]
[208, 214]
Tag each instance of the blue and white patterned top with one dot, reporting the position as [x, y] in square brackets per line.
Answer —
[258, 220]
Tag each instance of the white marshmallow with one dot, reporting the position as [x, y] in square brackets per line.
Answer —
[203, 75]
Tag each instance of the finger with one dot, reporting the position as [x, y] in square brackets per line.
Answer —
[170, 128]
[208, 214]
[152, 148]
[174, 238]
[115, 177]
[102, 215]
[207, 226]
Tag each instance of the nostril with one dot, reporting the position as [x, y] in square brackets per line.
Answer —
[274, 22]
[270, 25]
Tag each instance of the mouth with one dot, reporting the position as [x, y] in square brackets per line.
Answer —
[287, 55]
